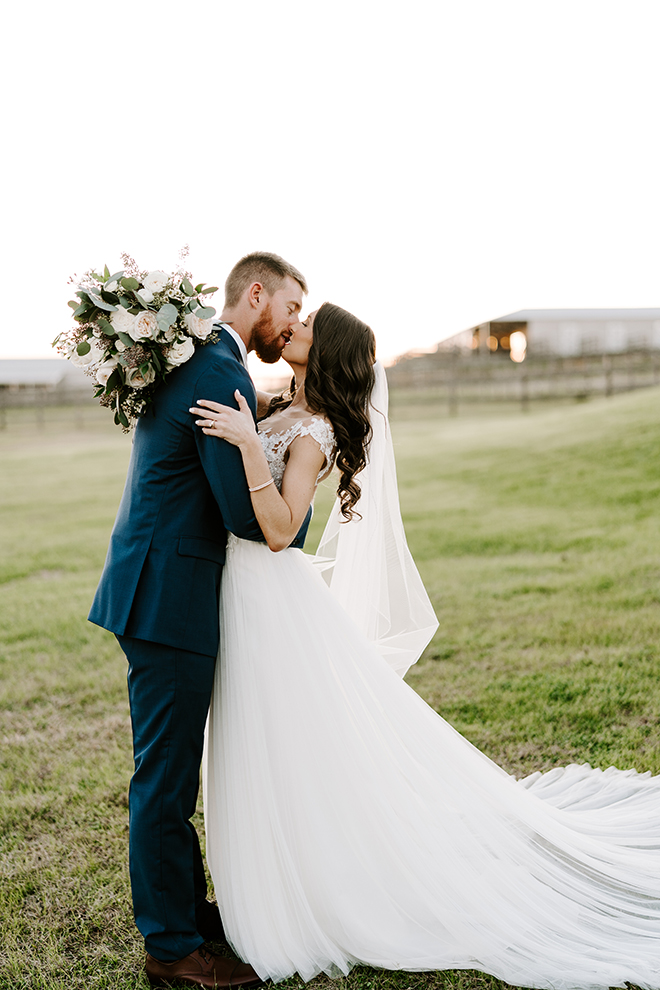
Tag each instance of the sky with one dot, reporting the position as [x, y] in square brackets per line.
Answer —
[428, 165]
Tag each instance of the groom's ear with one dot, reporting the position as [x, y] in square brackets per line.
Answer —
[254, 294]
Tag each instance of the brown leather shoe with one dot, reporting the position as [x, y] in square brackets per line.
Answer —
[201, 968]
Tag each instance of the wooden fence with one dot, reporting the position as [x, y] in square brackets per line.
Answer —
[457, 379]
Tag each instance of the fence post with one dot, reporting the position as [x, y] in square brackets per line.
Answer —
[524, 392]
[607, 364]
[453, 385]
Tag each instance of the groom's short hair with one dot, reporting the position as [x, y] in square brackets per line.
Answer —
[260, 266]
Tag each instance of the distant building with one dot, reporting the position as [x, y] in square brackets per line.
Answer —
[43, 379]
[561, 333]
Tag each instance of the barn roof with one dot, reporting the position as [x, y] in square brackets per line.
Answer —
[528, 315]
[38, 371]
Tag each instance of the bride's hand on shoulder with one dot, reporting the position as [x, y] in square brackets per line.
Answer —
[234, 425]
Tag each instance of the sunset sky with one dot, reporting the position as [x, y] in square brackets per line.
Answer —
[427, 165]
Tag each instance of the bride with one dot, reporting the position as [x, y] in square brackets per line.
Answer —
[347, 823]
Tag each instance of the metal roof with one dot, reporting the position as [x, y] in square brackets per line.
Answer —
[528, 315]
[39, 371]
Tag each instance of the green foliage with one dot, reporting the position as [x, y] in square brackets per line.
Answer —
[166, 316]
[537, 539]
[205, 312]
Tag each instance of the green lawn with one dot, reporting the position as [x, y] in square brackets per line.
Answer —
[537, 536]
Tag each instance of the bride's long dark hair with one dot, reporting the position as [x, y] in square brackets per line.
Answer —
[338, 383]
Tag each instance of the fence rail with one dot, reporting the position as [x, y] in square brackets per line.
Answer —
[457, 379]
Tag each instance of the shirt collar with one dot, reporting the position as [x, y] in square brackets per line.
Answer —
[239, 340]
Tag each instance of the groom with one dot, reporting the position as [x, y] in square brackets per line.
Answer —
[159, 594]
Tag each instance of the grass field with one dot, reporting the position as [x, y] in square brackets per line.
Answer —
[538, 538]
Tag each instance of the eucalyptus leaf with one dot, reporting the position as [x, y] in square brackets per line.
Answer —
[114, 381]
[106, 273]
[166, 315]
[198, 288]
[73, 304]
[156, 359]
[122, 418]
[144, 369]
[123, 301]
[205, 312]
[102, 304]
[107, 327]
[83, 347]
[110, 297]
[116, 419]
[80, 312]
[208, 290]
[186, 285]
[145, 305]
[125, 339]
[130, 283]
[115, 277]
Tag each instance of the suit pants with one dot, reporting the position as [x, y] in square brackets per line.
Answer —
[169, 693]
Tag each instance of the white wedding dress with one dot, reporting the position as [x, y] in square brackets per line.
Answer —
[348, 823]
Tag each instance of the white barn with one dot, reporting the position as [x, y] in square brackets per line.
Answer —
[42, 376]
[564, 332]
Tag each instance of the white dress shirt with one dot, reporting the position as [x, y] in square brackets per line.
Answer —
[239, 340]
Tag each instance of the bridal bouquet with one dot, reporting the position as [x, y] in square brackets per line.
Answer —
[131, 329]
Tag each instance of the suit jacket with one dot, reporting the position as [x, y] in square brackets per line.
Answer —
[183, 491]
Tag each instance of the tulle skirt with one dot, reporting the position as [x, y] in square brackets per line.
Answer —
[347, 823]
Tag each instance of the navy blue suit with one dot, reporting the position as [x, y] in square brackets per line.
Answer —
[159, 594]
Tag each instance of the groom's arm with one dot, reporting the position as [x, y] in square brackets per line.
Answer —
[222, 462]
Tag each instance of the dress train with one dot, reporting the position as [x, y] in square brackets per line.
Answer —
[348, 823]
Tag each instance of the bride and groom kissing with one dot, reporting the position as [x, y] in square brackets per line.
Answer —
[346, 822]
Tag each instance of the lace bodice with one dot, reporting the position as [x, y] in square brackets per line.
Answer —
[276, 444]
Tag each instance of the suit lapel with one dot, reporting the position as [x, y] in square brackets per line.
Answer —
[229, 341]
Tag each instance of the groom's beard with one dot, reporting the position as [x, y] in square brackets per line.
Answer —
[268, 348]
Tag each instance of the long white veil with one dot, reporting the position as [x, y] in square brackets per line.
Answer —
[366, 562]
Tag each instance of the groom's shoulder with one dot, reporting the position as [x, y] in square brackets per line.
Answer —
[213, 367]
[213, 356]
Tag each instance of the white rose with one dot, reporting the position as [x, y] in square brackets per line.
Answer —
[155, 281]
[146, 295]
[93, 357]
[145, 324]
[122, 321]
[104, 371]
[137, 380]
[110, 286]
[180, 352]
[198, 328]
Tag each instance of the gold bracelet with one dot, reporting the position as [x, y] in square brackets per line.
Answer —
[257, 488]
